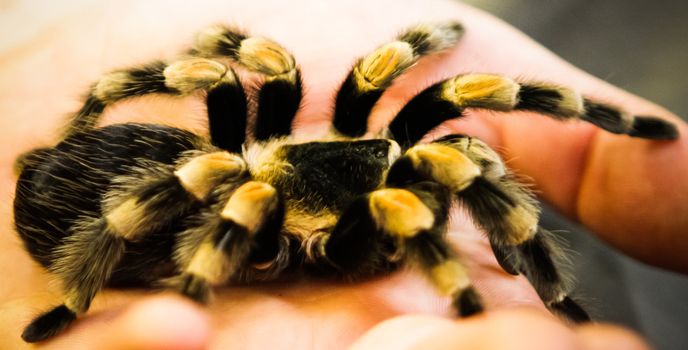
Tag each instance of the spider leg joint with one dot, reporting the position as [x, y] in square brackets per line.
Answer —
[250, 205]
[400, 213]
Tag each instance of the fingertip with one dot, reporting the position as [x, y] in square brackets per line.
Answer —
[518, 328]
[602, 336]
[403, 332]
[161, 322]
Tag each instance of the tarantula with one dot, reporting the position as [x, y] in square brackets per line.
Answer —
[145, 204]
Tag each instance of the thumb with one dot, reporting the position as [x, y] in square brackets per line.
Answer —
[159, 322]
[523, 328]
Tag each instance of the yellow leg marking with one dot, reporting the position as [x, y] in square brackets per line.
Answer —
[201, 174]
[210, 264]
[523, 225]
[195, 73]
[73, 300]
[250, 204]
[400, 212]
[126, 219]
[440, 36]
[482, 90]
[571, 103]
[479, 152]
[445, 164]
[210, 39]
[265, 56]
[110, 85]
[449, 277]
[394, 152]
[377, 70]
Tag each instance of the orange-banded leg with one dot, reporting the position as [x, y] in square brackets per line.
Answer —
[226, 98]
[136, 205]
[448, 99]
[374, 73]
[408, 225]
[231, 236]
[280, 94]
[498, 204]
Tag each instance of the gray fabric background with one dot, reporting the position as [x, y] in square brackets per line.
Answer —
[641, 46]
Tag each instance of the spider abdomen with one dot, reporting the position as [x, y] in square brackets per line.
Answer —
[59, 186]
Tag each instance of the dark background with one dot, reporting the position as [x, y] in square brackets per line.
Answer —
[641, 46]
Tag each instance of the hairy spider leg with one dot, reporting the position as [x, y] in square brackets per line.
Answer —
[403, 224]
[226, 98]
[541, 260]
[234, 235]
[279, 97]
[374, 73]
[447, 99]
[135, 205]
[500, 205]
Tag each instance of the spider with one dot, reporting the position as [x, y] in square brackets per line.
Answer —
[151, 205]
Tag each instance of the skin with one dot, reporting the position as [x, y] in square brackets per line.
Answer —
[626, 190]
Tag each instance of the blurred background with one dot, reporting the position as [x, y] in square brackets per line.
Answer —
[642, 47]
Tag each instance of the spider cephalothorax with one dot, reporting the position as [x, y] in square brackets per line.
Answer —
[146, 204]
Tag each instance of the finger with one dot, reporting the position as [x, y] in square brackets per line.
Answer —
[402, 332]
[512, 329]
[630, 193]
[160, 322]
[602, 336]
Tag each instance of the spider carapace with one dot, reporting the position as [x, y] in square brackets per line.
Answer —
[153, 205]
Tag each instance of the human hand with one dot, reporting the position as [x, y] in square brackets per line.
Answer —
[504, 329]
[576, 179]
